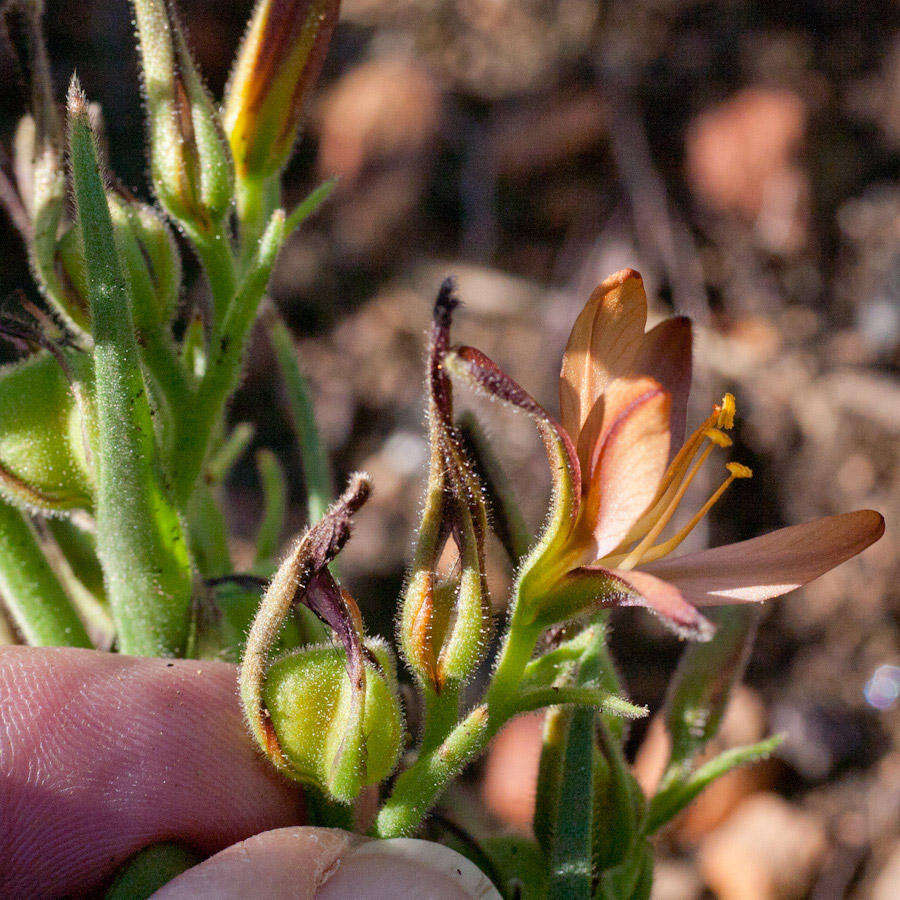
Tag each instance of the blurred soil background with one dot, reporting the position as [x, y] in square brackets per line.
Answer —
[743, 156]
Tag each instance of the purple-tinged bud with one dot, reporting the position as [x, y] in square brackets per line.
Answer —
[277, 65]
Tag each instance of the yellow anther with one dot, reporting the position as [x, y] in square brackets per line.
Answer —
[726, 412]
[739, 471]
[719, 438]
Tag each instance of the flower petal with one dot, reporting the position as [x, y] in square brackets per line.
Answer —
[665, 355]
[628, 461]
[770, 565]
[604, 342]
[594, 587]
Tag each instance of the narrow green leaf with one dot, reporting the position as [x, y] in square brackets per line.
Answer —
[676, 797]
[229, 452]
[30, 590]
[706, 675]
[303, 210]
[570, 860]
[588, 695]
[208, 533]
[140, 539]
[79, 547]
[316, 471]
[274, 486]
[632, 879]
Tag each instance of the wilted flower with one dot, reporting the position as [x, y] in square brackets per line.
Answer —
[323, 715]
[445, 622]
[278, 63]
[621, 468]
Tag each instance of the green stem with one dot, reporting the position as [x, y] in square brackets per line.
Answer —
[316, 471]
[417, 789]
[31, 592]
[226, 355]
[441, 715]
[217, 257]
[255, 200]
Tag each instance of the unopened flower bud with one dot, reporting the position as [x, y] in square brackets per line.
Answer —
[44, 461]
[190, 160]
[149, 257]
[38, 162]
[276, 67]
[331, 731]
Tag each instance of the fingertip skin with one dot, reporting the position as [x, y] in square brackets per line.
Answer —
[282, 863]
[102, 754]
[330, 864]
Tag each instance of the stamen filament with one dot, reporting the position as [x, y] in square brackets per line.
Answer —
[634, 557]
[735, 470]
[670, 481]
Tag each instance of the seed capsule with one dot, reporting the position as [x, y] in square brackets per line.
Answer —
[329, 732]
[44, 463]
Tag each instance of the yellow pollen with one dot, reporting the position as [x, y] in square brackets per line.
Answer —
[726, 412]
[719, 438]
[739, 471]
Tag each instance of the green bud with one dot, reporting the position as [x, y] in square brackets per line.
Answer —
[150, 258]
[332, 733]
[69, 282]
[277, 65]
[38, 164]
[190, 160]
[44, 463]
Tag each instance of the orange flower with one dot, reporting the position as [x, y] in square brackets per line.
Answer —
[621, 468]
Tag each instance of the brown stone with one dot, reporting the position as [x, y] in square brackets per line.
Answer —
[768, 850]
